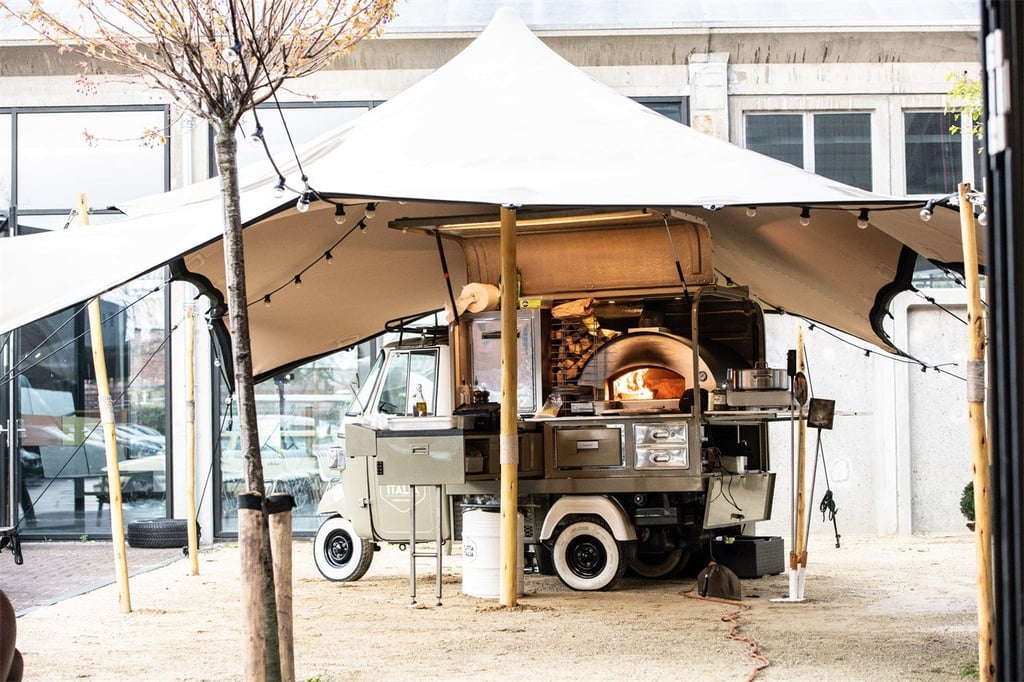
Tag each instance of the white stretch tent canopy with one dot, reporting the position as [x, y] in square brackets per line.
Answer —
[506, 122]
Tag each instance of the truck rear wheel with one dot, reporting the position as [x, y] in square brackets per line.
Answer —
[588, 557]
[340, 554]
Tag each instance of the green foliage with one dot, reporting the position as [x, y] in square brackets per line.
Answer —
[969, 670]
[964, 101]
[967, 502]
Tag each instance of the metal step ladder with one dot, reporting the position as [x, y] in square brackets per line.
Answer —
[414, 553]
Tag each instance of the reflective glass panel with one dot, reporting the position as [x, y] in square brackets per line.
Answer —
[303, 124]
[5, 162]
[780, 136]
[842, 148]
[63, 486]
[932, 153]
[102, 154]
[299, 417]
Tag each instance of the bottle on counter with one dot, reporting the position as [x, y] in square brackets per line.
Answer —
[419, 402]
[465, 393]
[480, 393]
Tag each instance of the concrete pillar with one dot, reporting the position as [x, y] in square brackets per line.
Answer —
[709, 90]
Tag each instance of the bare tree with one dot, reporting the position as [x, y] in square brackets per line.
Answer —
[218, 59]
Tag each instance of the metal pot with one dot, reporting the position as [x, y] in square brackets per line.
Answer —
[760, 378]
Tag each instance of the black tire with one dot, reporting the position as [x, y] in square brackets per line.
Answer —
[587, 556]
[158, 533]
[658, 564]
[341, 555]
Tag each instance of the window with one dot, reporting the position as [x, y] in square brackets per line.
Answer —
[674, 108]
[834, 145]
[59, 484]
[100, 153]
[305, 121]
[934, 155]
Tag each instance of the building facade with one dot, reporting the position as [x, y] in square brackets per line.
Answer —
[853, 91]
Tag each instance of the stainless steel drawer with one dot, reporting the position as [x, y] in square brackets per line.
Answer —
[582, 448]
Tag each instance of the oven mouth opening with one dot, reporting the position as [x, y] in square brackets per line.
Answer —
[645, 383]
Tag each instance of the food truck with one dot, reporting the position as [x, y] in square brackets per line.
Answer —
[642, 429]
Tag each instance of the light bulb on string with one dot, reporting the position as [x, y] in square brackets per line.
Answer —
[302, 205]
[862, 219]
[371, 210]
[328, 256]
[231, 53]
[805, 217]
[751, 211]
[339, 214]
[256, 139]
[983, 218]
[279, 187]
[362, 226]
[298, 282]
[266, 300]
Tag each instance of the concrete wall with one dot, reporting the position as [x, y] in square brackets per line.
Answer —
[898, 456]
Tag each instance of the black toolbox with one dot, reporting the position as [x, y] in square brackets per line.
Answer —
[750, 556]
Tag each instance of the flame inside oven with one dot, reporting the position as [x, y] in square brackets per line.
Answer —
[647, 383]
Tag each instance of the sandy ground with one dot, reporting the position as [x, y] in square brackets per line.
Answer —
[876, 609]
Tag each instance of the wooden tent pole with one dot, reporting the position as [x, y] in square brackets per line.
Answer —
[801, 462]
[106, 406]
[190, 437]
[979, 441]
[509, 438]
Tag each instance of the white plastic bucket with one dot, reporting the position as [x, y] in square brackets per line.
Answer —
[481, 550]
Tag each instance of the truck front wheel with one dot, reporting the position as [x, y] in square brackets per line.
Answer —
[340, 554]
[587, 557]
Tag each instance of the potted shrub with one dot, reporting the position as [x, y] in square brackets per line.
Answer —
[967, 504]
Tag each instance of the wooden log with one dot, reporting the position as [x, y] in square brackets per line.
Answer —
[980, 458]
[509, 435]
[250, 551]
[279, 506]
[190, 438]
[106, 407]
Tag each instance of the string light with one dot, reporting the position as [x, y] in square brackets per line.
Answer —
[231, 53]
[339, 214]
[371, 210]
[302, 205]
[862, 219]
[805, 217]
[329, 257]
[983, 218]
[362, 226]
[279, 187]
[926, 212]
[751, 211]
[266, 300]
[298, 282]
[256, 139]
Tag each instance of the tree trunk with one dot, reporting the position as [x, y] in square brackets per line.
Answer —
[245, 394]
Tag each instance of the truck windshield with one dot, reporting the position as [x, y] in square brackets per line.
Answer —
[362, 399]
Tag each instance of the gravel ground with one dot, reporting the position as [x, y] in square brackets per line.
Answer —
[876, 609]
